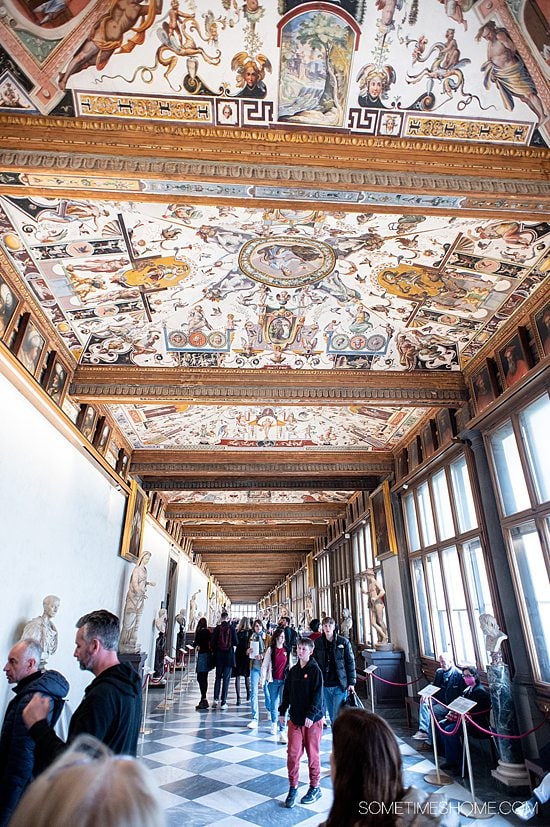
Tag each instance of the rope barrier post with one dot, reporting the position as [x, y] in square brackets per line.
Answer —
[143, 730]
[171, 678]
[370, 672]
[190, 656]
[165, 704]
[438, 778]
[472, 809]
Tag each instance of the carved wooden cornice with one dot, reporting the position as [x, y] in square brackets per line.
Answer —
[239, 546]
[267, 460]
[279, 511]
[222, 386]
[141, 139]
[246, 483]
[255, 531]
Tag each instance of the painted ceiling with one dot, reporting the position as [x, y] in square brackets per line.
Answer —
[255, 254]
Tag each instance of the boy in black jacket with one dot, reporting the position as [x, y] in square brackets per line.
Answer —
[303, 694]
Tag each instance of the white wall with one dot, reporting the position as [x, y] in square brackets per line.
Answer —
[60, 527]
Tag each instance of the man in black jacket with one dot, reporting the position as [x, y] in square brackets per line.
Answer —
[224, 641]
[449, 678]
[111, 709]
[334, 655]
[17, 759]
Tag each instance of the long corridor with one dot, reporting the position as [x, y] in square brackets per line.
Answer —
[212, 769]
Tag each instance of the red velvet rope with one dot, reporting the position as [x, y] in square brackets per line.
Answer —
[469, 717]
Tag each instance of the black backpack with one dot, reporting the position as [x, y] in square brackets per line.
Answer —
[224, 637]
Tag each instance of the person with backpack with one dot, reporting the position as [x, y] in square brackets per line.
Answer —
[224, 641]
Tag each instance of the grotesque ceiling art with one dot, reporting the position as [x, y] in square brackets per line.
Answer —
[269, 237]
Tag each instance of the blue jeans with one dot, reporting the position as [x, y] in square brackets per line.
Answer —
[333, 696]
[223, 675]
[275, 695]
[255, 674]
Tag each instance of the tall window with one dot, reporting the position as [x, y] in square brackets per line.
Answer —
[449, 574]
[519, 450]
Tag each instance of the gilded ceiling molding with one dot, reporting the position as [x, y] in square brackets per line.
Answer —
[253, 145]
[291, 467]
[88, 392]
[313, 176]
[253, 513]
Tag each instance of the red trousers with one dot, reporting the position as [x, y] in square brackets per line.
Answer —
[300, 738]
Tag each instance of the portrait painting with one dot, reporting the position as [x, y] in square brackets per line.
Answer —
[134, 520]
[122, 463]
[445, 426]
[515, 358]
[484, 385]
[384, 541]
[541, 324]
[54, 378]
[86, 421]
[101, 435]
[8, 306]
[227, 112]
[31, 347]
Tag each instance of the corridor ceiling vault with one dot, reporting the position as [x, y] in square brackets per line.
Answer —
[269, 238]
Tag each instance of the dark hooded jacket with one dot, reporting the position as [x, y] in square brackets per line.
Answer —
[17, 750]
[110, 711]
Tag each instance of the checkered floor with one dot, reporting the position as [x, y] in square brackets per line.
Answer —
[211, 769]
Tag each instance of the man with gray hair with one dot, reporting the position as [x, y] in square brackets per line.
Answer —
[111, 708]
[17, 753]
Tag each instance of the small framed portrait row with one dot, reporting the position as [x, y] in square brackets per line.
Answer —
[55, 377]
[29, 345]
[484, 385]
[515, 359]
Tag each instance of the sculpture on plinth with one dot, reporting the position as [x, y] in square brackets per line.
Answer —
[193, 613]
[375, 593]
[133, 605]
[180, 638]
[42, 628]
[346, 624]
[160, 645]
[511, 769]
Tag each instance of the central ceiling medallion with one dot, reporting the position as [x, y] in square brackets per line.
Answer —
[281, 261]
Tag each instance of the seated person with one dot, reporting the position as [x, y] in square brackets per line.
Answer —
[449, 678]
[452, 744]
[367, 778]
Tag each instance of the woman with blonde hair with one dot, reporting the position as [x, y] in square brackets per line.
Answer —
[88, 786]
[367, 779]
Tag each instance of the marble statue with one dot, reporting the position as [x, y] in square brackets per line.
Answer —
[180, 639]
[493, 636]
[133, 606]
[43, 629]
[346, 624]
[193, 613]
[160, 645]
[375, 594]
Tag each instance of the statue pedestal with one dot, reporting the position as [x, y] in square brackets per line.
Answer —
[390, 666]
[511, 770]
[135, 659]
[383, 647]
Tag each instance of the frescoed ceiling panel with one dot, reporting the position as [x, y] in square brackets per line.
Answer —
[268, 238]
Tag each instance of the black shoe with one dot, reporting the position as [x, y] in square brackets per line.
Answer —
[203, 704]
[313, 794]
[290, 800]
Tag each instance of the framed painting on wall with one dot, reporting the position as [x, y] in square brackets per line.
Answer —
[484, 385]
[515, 359]
[384, 541]
[8, 307]
[86, 421]
[29, 344]
[54, 378]
[132, 535]
[541, 326]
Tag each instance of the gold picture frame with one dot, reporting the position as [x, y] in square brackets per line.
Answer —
[134, 520]
[384, 541]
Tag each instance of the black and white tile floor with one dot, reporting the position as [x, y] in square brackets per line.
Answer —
[212, 769]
